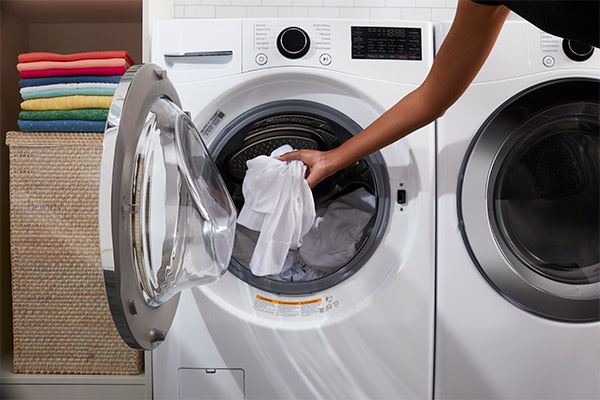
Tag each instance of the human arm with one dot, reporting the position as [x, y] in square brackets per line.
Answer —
[465, 49]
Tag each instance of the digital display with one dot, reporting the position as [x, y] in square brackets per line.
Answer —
[386, 43]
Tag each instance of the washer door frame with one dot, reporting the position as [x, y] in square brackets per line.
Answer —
[481, 166]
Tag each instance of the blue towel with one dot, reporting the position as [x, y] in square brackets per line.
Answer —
[69, 92]
[71, 125]
[26, 82]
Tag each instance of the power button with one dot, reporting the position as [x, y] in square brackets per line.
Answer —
[261, 59]
[548, 61]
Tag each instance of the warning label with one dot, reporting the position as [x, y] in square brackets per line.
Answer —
[295, 308]
[212, 123]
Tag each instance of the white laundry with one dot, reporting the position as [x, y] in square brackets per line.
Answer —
[339, 225]
[296, 270]
[279, 203]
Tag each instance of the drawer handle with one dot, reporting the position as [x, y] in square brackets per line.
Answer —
[220, 53]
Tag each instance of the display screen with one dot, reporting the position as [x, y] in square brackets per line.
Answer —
[386, 43]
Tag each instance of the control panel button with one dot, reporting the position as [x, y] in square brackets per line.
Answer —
[293, 42]
[548, 61]
[325, 59]
[261, 59]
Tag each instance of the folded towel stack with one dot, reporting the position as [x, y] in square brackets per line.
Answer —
[69, 92]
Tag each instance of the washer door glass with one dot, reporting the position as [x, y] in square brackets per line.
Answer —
[166, 219]
[529, 200]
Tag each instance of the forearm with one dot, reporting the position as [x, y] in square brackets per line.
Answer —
[408, 115]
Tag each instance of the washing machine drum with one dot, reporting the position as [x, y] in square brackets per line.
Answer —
[349, 204]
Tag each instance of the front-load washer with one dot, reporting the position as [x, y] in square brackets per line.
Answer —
[357, 326]
[518, 273]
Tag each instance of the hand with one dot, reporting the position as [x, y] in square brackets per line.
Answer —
[316, 164]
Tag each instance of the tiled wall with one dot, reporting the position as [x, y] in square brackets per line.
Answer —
[435, 10]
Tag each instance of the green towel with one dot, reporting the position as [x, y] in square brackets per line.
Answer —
[86, 114]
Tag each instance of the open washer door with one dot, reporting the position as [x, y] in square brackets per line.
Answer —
[166, 220]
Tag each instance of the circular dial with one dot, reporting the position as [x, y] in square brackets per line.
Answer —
[577, 51]
[293, 42]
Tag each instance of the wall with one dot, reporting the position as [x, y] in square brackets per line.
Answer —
[376, 9]
[9, 107]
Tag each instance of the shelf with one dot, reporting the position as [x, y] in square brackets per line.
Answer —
[56, 386]
[9, 377]
[74, 11]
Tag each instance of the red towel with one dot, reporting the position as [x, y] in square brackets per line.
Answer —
[43, 56]
[96, 63]
[76, 71]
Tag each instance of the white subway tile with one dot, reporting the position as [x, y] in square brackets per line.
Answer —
[436, 10]
[262, 12]
[245, 2]
[277, 3]
[421, 14]
[442, 14]
[187, 2]
[386, 13]
[430, 3]
[323, 12]
[179, 12]
[199, 11]
[292, 12]
[215, 2]
[355, 12]
[307, 3]
[230, 12]
[402, 3]
[369, 3]
[338, 3]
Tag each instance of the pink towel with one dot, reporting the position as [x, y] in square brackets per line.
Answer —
[44, 56]
[76, 71]
[91, 63]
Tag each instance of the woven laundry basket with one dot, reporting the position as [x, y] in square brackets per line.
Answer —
[61, 320]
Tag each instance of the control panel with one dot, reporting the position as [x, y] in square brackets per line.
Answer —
[373, 49]
[395, 51]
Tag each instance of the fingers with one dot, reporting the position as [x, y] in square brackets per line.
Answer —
[310, 158]
[292, 155]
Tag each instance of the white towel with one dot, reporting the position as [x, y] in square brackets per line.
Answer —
[277, 202]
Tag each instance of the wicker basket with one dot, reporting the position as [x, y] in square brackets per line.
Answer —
[61, 320]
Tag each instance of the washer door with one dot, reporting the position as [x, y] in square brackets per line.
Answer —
[529, 200]
[166, 220]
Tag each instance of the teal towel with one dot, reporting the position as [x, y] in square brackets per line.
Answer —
[86, 114]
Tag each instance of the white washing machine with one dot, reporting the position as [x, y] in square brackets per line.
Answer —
[518, 273]
[363, 326]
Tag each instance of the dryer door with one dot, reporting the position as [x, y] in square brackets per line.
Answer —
[529, 200]
[166, 220]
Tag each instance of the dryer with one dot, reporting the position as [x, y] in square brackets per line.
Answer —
[518, 273]
[170, 190]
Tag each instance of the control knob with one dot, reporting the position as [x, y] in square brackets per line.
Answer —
[577, 51]
[293, 42]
